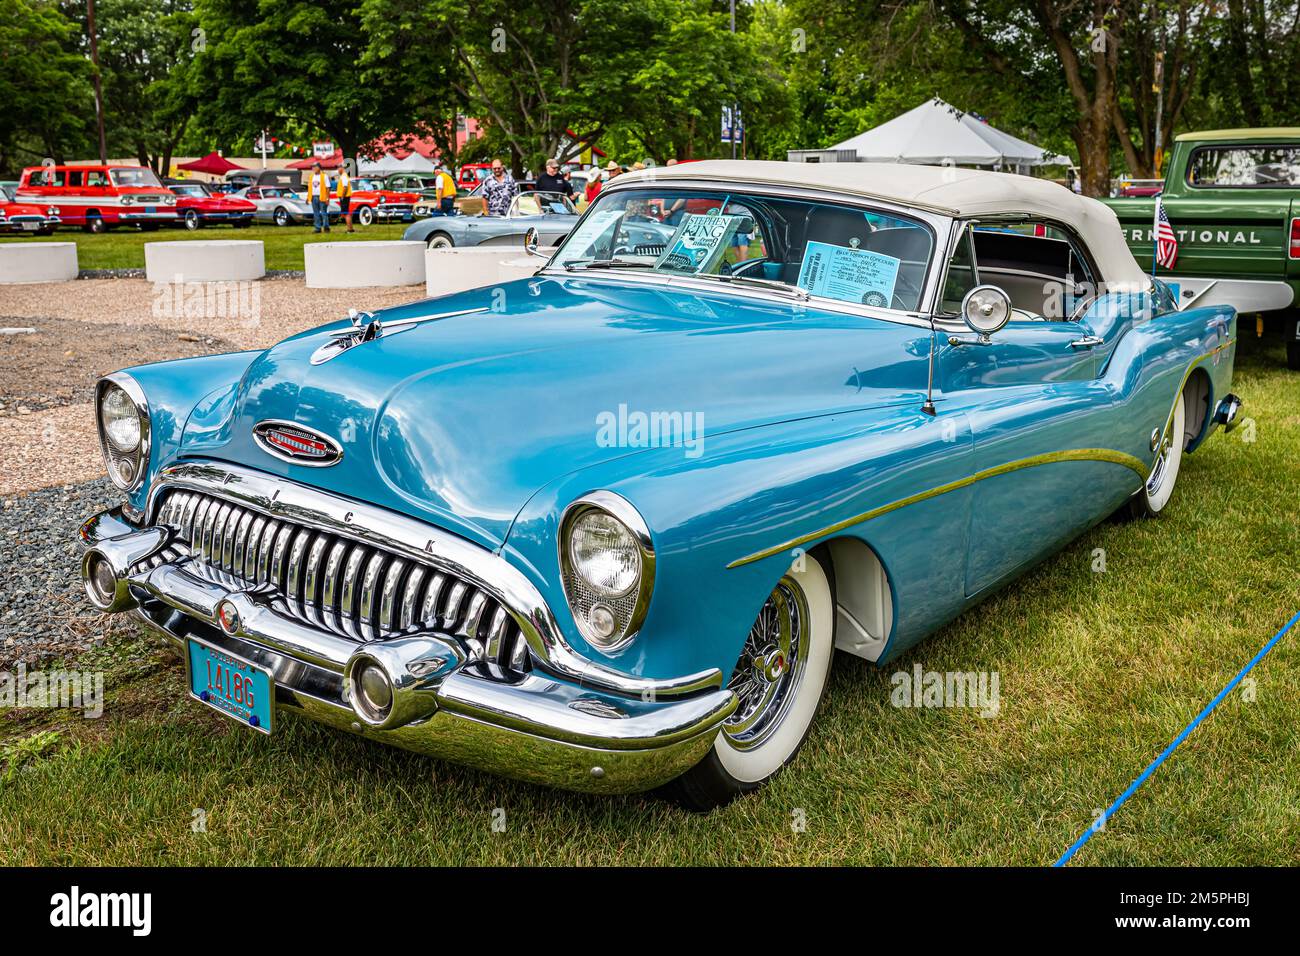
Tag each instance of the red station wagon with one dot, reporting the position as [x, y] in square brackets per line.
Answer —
[100, 197]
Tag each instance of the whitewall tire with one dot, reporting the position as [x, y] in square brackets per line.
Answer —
[1159, 486]
[779, 681]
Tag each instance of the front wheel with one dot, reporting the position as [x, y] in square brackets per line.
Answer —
[192, 220]
[365, 215]
[778, 680]
[440, 240]
[281, 216]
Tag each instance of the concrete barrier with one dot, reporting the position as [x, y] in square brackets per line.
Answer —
[363, 264]
[472, 267]
[37, 262]
[203, 260]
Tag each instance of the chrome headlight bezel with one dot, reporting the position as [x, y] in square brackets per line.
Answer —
[113, 456]
[628, 607]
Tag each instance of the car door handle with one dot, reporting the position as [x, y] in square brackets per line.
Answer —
[1087, 342]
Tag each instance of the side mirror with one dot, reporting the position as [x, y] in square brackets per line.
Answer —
[986, 308]
[531, 240]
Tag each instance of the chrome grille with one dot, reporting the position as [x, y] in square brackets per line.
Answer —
[334, 583]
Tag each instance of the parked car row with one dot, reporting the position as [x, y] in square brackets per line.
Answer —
[101, 197]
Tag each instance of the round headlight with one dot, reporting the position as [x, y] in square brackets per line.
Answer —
[123, 429]
[607, 564]
[604, 553]
[120, 419]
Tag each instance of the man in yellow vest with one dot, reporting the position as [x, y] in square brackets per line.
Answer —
[446, 189]
[318, 191]
[344, 191]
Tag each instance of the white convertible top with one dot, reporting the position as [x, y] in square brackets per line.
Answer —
[947, 190]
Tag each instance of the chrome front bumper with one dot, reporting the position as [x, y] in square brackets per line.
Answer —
[536, 726]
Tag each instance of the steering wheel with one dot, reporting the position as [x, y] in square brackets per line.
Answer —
[913, 291]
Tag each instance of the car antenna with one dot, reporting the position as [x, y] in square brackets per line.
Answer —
[928, 408]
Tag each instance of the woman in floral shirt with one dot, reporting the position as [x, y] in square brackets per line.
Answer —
[499, 189]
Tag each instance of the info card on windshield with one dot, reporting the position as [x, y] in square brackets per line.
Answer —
[848, 274]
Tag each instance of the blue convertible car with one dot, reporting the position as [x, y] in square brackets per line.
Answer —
[604, 527]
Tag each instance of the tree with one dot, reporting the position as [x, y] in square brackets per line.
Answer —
[43, 84]
[146, 52]
[268, 61]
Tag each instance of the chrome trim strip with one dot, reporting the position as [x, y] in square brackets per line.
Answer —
[378, 527]
[1075, 454]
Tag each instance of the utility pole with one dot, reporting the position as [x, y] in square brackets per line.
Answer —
[99, 93]
[735, 107]
[1158, 87]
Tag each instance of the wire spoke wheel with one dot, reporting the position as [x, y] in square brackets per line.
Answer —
[770, 667]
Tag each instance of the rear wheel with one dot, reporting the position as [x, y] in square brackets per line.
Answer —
[1293, 342]
[95, 222]
[1159, 487]
[778, 680]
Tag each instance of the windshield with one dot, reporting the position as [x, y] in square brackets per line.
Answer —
[836, 251]
[132, 176]
[192, 189]
[544, 204]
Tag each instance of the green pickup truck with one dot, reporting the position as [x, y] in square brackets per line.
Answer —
[1233, 200]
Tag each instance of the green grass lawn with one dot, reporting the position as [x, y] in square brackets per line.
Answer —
[124, 248]
[1099, 671]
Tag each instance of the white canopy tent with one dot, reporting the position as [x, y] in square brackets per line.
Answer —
[934, 134]
[388, 163]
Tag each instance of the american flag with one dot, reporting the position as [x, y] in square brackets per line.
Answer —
[1166, 241]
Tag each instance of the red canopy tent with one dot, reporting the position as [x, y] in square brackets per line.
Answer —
[333, 161]
[212, 164]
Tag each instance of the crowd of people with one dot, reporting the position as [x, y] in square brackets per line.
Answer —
[498, 190]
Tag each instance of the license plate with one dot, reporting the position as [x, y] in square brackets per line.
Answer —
[31, 226]
[237, 688]
[151, 209]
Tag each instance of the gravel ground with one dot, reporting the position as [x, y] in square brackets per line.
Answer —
[45, 613]
[89, 327]
[52, 476]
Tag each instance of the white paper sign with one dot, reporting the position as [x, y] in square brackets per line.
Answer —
[850, 275]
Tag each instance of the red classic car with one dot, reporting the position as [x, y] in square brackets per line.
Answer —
[100, 197]
[25, 217]
[371, 201]
[197, 205]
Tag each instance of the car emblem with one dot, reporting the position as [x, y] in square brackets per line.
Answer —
[297, 444]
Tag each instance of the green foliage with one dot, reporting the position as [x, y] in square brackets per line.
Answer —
[44, 84]
[268, 61]
[146, 54]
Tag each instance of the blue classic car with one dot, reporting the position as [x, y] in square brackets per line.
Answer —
[603, 527]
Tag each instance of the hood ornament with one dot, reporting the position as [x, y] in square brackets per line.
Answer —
[366, 328]
[296, 443]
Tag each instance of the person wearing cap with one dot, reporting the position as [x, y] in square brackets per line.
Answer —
[552, 182]
[318, 192]
[445, 190]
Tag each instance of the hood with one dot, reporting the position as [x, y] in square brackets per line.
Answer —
[461, 419]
